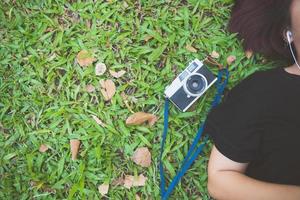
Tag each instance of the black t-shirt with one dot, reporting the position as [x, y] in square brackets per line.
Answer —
[258, 121]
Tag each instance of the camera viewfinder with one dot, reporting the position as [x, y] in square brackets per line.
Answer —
[183, 75]
[192, 67]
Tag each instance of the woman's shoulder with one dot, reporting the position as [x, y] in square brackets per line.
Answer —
[255, 84]
[258, 80]
[268, 74]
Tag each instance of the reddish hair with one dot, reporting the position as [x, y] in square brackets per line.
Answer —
[261, 24]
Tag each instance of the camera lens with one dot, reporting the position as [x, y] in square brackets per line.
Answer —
[196, 84]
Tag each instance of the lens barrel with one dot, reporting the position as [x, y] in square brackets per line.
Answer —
[195, 84]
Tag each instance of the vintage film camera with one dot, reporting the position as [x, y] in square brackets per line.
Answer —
[190, 85]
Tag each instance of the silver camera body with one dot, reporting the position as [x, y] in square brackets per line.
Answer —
[189, 85]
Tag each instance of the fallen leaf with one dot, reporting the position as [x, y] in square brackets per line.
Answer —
[108, 89]
[117, 74]
[230, 59]
[132, 181]
[190, 48]
[125, 5]
[90, 88]
[103, 189]
[215, 54]
[249, 54]
[88, 23]
[142, 157]
[100, 69]
[74, 144]
[85, 58]
[118, 181]
[147, 38]
[140, 117]
[43, 148]
[99, 121]
[137, 197]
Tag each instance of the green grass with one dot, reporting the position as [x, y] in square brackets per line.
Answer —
[42, 96]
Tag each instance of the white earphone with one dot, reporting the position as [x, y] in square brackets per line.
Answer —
[289, 36]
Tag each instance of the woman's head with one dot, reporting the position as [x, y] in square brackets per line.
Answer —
[295, 23]
[262, 24]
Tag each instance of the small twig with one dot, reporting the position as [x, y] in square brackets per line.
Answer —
[212, 61]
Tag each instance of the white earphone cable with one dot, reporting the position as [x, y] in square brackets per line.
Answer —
[294, 57]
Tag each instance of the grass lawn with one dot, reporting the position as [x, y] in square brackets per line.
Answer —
[44, 97]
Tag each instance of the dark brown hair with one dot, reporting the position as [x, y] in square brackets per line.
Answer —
[261, 24]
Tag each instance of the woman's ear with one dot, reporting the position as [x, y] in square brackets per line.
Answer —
[287, 36]
[284, 35]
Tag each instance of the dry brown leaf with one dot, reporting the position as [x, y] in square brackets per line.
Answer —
[131, 181]
[74, 144]
[118, 181]
[142, 157]
[148, 37]
[190, 48]
[248, 54]
[230, 59]
[103, 189]
[100, 69]
[137, 197]
[108, 89]
[98, 121]
[85, 58]
[125, 5]
[214, 54]
[90, 88]
[43, 148]
[88, 23]
[117, 74]
[140, 117]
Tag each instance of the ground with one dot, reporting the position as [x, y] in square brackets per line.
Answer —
[44, 100]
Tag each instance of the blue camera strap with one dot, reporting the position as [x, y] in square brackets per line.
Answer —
[193, 151]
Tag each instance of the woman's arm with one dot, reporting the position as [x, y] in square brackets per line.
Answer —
[227, 181]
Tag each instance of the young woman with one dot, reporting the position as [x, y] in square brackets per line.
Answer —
[256, 128]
